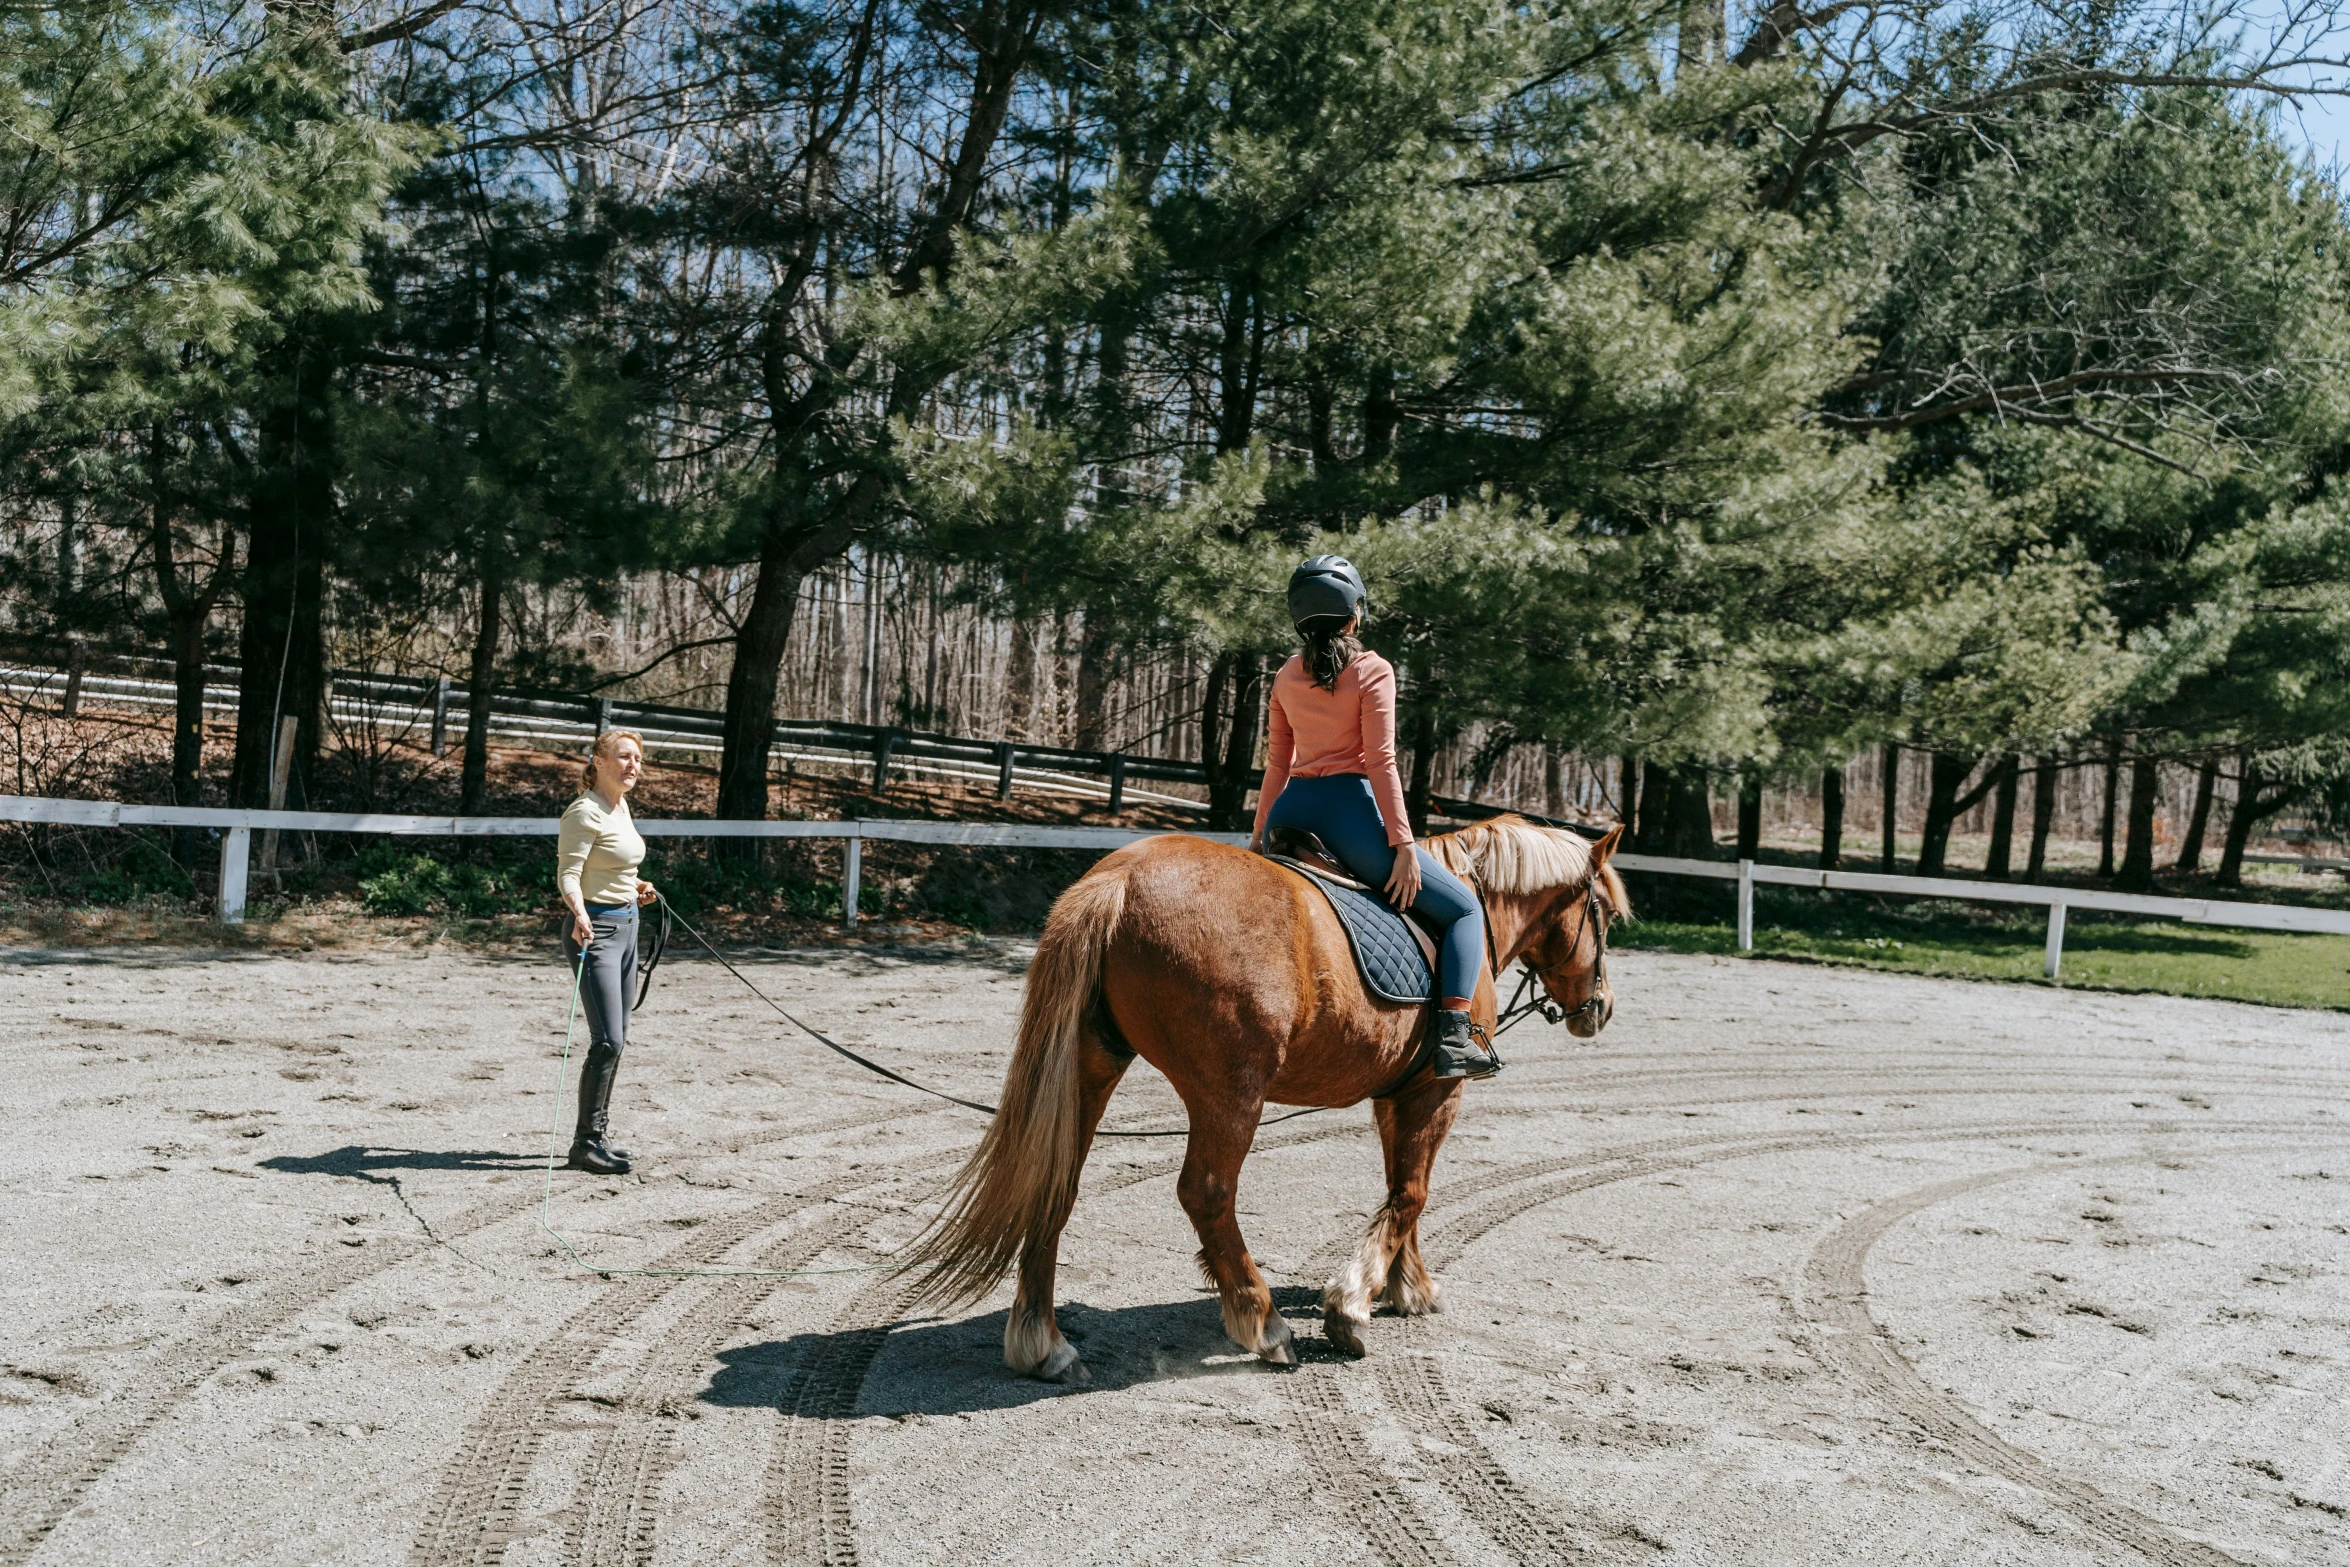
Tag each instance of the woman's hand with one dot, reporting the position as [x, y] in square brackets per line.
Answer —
[582, 932]
[1403, 883]
[644, 892]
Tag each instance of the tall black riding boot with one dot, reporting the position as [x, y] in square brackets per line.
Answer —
[588, 1149]
[1462, 1048]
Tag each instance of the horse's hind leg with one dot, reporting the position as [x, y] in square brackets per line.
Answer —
[1033, 1344]
[1209, 1189]
[1412, 1127]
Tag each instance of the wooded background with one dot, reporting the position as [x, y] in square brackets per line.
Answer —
[1712, 399]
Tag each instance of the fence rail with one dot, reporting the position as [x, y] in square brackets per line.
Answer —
[238, 827]
[426, 706]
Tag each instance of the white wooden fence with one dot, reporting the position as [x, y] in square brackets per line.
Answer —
[237, 828]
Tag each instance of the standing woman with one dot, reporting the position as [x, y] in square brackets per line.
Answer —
[597, 852]
[1330, 769]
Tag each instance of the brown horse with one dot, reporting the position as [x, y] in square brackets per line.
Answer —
[1233, 977]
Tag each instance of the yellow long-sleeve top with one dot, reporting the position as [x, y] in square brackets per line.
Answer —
[597, 852]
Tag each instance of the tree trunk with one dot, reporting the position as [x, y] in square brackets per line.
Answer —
[1419, 793]
[2250, 811]
[1655, 794]
[1228, 786]
[1831, 818]
[1890, 828]
[1688, 812]
[2113, 779]
[2044, 778]
[1948, 773]
[1020, 682]
[1211, 719]
[1995, 864]
[481, 684]
[1096, 653]
[187, 719]
[281, 644]
[2138, 857]
[1749, 815]
[2199, 820]
[1554, 780]
[187, 725]
[749, 729]
[1628, 786]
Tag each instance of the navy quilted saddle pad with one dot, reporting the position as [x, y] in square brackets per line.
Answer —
[1392, 966]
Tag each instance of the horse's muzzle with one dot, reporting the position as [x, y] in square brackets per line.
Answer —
[1585, 1021]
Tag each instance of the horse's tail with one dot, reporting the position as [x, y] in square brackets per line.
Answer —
[1020, 1182]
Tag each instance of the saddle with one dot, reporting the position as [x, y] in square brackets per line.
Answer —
[1395, 957]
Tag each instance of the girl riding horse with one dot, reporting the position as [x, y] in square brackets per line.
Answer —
[1231, 974]
[1330, 770]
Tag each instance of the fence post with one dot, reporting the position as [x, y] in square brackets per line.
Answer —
[1746, 905]
[235, 846]
[1003, 771]
[1117, 783]
[2055, 959]
[603, 715]
[852, 873]
[440, 715]
[882, 746]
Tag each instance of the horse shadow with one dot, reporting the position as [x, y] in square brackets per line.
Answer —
[929, 1366]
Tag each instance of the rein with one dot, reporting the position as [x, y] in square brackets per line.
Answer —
[1531, 997]
[878, 1070]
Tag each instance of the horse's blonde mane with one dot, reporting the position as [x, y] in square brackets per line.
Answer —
[1509, 855]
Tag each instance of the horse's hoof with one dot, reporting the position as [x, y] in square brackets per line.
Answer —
[1277, 1348]
[1063, 1366]
[1344, 1334]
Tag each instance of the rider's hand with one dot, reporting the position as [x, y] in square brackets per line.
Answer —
[1403, 883]
[644, 892]
[581, 931]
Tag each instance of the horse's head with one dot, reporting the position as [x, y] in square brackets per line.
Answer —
[1569, 950]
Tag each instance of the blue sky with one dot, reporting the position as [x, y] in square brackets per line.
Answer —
[2320, 124]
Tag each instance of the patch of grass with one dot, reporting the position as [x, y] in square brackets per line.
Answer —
[2101, 952]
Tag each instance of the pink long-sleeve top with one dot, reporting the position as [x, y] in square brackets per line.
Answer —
[1313, 733]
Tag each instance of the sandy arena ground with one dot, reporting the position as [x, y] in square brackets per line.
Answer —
[1793, 1266]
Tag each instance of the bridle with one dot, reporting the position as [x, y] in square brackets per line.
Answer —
[1532, 997]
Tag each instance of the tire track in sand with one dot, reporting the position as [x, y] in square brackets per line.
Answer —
[617, 1520]
[1524, 1529]
[1851, 1339]
[809, 1518]
[474, 1514]
[51, 1484]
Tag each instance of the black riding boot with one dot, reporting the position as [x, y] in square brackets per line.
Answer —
[1462, 1048]
[588, 1150]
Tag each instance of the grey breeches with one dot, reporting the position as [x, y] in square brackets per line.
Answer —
[608, 987]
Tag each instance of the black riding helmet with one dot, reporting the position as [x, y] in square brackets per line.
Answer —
[1327, 585]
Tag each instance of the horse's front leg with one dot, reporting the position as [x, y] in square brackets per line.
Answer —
[1033, 1344]
[1412, 1127]
[1209, 1190]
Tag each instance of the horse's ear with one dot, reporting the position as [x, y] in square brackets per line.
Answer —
[1604, 850]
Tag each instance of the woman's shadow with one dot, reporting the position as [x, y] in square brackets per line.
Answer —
[927, 1366]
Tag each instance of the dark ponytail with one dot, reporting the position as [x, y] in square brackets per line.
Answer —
[1330, 647]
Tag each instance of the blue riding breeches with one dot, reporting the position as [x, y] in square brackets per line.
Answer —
[1340, 810]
